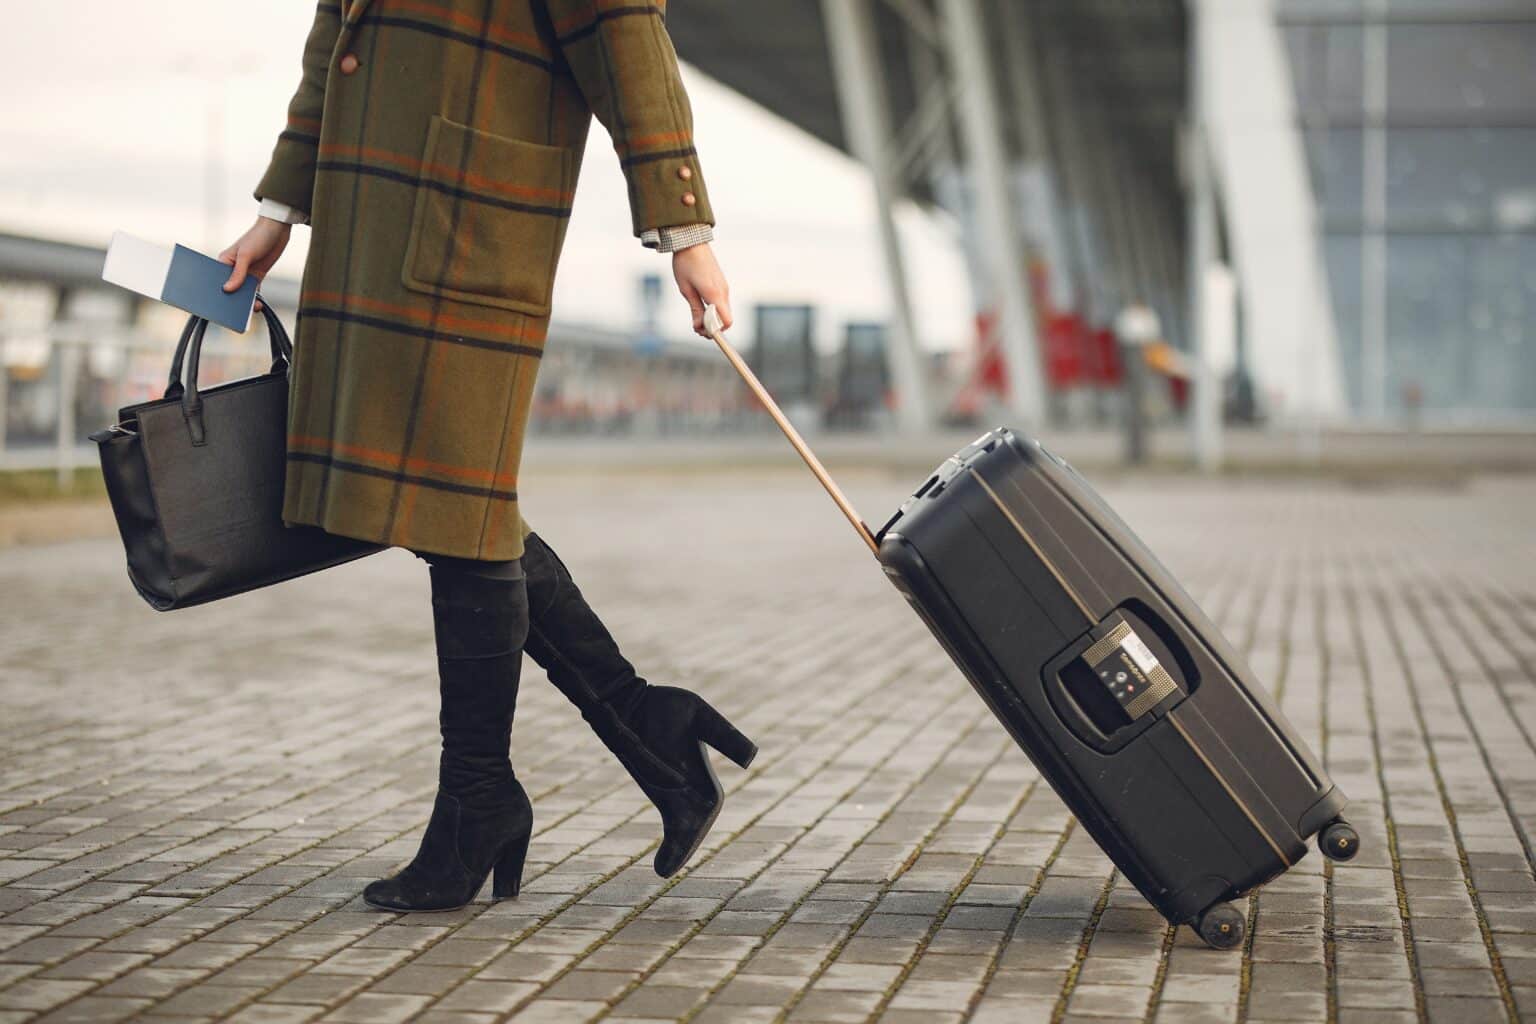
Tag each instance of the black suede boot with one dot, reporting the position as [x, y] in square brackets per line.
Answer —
[657, 732]
[482, 819]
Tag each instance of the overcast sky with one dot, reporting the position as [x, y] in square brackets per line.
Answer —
[113, 110]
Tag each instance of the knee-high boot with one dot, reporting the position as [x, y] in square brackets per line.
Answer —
[482, 819]
[658, 733]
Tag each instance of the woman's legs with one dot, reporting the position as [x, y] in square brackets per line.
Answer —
[656, 732]
[482, 818]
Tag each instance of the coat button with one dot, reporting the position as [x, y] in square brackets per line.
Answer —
[349, 64]
[689, 199]
[685, 172]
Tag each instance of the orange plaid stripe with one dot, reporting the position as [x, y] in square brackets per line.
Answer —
[468, 23]
[672, 140]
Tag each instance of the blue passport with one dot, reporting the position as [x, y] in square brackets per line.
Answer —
[181, 277]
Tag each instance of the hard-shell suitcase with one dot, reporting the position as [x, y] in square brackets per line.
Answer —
[1147, 724]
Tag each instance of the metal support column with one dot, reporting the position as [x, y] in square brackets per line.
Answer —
[982, 128]
[1025, 89]
[1095, 266]
[1205, 392]
[867, 121]
[1373, 249]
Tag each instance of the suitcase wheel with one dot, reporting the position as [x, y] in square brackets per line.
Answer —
[1222, 926]
[1339, 841]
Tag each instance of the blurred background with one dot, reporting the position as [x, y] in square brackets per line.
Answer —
[1207, 233]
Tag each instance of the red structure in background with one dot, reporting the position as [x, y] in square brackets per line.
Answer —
[1077, 355]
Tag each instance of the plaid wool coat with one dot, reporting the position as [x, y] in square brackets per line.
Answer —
[436, 145]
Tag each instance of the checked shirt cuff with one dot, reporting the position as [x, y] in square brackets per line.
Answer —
[675, 239]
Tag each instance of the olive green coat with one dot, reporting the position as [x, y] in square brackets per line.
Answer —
[436, 145]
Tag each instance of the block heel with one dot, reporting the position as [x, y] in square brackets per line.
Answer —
[507, 876]
[725, 737]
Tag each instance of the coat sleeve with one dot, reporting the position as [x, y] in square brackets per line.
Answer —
[290, 177]
[624, 64]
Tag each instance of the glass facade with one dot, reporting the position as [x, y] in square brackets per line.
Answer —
[1420, 126]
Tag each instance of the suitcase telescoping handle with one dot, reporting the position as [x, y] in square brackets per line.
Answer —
[716, 331]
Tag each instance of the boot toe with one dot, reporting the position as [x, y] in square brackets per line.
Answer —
[686, 818]
[404, 897]
[385, 894]
[670, 858]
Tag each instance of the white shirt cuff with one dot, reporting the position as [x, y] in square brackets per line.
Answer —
[281, 212]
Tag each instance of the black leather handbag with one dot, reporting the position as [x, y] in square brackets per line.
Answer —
[196, 482]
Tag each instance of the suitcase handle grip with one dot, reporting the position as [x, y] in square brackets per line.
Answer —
[716, 331]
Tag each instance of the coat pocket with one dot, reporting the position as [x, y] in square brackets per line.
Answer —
[490, 218]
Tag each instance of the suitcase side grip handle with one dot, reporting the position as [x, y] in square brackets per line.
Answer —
[1102, 693]
[1072, 714]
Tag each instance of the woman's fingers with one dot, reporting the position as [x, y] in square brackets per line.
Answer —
[242, 264]
[723, 307]
[695, 306]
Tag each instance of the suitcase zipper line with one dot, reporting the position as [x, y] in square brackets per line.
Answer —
[1045, 559]
[1093, 620]
[1025, 498]
[1242, 805]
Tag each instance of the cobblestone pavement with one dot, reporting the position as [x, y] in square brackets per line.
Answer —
[191, 803]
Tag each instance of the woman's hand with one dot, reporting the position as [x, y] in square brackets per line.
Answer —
[255, 251]
[702, 283]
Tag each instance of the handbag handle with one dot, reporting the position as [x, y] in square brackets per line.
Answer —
[191, 401]
[277, 338]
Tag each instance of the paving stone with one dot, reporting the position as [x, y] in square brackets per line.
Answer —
[96, 1010]
[490, 996]
[1356, 1015]
[207, 1000]
[319, 989]
[1194, 1013]
[95, 966]
[590, 986]
[153, 981]
[1462, 1010]
[858, 977]
[835, 1007]
[1378, 994]
[378, 1008]
[40, 993]
[275, 1013]
[666, 1002]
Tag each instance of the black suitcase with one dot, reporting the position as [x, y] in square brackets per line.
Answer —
[1125, 696]
[1147, 724]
